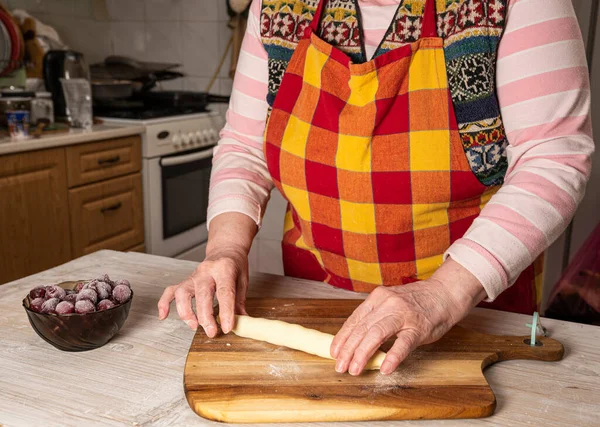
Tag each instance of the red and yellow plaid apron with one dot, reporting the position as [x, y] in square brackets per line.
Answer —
[370, 160]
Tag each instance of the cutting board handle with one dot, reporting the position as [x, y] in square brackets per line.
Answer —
[513, 348]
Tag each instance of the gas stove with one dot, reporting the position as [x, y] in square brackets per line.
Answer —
[177, 155]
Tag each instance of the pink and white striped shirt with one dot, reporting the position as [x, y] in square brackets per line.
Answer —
[543, 90]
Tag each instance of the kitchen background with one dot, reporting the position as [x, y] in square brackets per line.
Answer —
[195, 33]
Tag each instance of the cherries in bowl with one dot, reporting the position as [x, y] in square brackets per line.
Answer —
[80, 315]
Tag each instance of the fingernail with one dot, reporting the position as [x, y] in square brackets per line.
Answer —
[335, 352]
[339, 366]
[211, 331]
[226, 326]
[190, 324]
[354, 369]
[386, 368]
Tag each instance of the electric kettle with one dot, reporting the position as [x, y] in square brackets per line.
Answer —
[62, 64]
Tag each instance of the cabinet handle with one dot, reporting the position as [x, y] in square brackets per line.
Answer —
[112, 208]
[109, 161]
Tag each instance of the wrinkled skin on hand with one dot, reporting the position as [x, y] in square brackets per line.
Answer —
[223, 273]
[415, 314]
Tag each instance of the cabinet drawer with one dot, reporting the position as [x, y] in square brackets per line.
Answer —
[107, 215]
[98, 161]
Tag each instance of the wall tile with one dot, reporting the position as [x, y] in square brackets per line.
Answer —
[224, 36]
[163, 10]
[202, 11]
[197, 84]
[163, 42]
[222, 16]
[83, 9]
[61, 7]
[126, 10]
[200, 48]
[33, 6]
[128, 39]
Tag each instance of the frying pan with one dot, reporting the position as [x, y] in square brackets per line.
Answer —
[111, 89]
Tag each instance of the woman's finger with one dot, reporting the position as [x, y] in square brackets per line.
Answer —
[205, 291]
[226, 296]
[406, 342]
[183, 301]
[347, 351]
[339, 341]
[377, 334]
[164, 303]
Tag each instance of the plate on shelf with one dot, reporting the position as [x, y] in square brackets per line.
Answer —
[16, 49]
[5, 47]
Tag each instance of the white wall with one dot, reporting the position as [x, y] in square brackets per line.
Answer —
[193, 33]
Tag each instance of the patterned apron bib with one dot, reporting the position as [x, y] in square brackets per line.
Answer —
[370, 160]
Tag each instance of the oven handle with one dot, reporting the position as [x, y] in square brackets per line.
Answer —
[186, 158]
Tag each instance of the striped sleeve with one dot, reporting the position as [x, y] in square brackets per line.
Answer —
[544, 94]
[240, 181]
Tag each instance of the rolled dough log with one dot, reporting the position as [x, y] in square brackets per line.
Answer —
[292, 336]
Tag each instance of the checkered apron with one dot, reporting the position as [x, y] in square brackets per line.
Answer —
[370, 160]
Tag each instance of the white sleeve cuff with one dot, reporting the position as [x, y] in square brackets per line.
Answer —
[481, 264]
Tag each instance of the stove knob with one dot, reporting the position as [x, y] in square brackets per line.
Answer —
[176, 140]
[206, 135]
[199, 138]
[214, 135]
[193, 138]
[185, 139]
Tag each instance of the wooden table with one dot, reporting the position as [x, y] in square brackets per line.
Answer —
[136, 379]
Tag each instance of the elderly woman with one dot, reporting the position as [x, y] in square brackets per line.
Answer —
[430, 151]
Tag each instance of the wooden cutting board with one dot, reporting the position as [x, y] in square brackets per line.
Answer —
[233, 379]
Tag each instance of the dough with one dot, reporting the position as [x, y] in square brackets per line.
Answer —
[292, 336]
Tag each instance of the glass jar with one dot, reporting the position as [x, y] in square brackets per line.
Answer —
[14, 100]
[42, 108]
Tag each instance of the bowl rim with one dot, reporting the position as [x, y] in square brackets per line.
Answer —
[74, 314]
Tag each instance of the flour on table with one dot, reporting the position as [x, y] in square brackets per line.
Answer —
[401, 377]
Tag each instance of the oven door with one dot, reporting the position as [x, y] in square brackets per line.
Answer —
[178, 200]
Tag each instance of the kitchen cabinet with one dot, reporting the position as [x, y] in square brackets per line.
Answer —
[107, 215]
[34, 213]
[99, 161]
[62, 203]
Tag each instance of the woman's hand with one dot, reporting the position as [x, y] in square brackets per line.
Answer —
[416, 313]
[223, 273]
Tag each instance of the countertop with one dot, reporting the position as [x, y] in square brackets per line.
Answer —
[136, 379]
[72, 137]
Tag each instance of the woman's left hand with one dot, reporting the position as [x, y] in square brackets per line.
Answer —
[416, 313]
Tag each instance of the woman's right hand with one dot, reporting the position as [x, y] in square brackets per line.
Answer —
[223, 273]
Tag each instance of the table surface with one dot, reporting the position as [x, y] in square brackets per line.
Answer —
[136, 379]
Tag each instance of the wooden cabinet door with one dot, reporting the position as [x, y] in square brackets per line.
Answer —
[107, 215]
[34, 213]
[101, 160]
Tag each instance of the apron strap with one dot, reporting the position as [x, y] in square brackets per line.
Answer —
[429, 20]
[314, 25]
